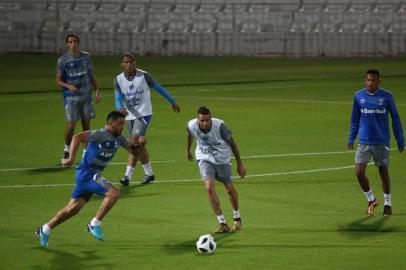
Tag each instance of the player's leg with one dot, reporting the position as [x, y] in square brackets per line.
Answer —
[132, 162]
[208, 172]
[71, 209]
[215, 205]
[137, 128]
[146, 165]
[223, 174]
[381, 157]
[87, 113]
[233, 195]
[103, 187]
[386, 187]
[67, 212]
[144, 156]
[110, 198]
[362, 157]
[71, 115]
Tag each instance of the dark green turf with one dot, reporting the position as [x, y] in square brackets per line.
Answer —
[295, 215]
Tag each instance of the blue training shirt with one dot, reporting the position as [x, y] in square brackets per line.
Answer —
[369, 119]
[100, 150]
[76, 71]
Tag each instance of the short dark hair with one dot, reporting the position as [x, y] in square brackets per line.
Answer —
[203, 110]
[373, 72]
[114, 115]
[127, 55]
[71, 35]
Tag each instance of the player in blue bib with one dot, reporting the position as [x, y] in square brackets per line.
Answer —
[102, 145]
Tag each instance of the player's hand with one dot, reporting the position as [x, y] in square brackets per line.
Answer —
[241, 170]
[123, 111]
[142, 140]
[66, 163]
[175, 107]
[350, 146]
[189, 155]
[98, 96]
[73, 88]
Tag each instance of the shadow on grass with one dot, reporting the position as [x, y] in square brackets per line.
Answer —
[65, 260]
[367, 226]
[50, 169]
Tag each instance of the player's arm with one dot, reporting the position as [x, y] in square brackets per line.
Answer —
[396, 125]
[59, 81]
[77, 139]
[96, 86]
[133, 149]
[189, 145]
[234, 148]
[355, 118]
[161, 90]
[93, 79]
[118, 98]
[130, 147]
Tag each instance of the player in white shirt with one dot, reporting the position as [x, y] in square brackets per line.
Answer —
[133, 98]
[214, 141]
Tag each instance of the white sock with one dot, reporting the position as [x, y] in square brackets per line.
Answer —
[221, 219]
[84, 152]
[129, 172]
[46, 229]
[369, 195]
[66, 148]
[95, 222]
[147, 169]
[387, 199]
[236, 214]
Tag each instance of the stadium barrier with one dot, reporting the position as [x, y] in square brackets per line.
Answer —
[294, 28]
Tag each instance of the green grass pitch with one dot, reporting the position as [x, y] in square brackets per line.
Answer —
[301, 205]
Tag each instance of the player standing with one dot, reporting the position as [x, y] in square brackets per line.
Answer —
[214, 141]
[133, 98]
[369, 120]
[75, 74]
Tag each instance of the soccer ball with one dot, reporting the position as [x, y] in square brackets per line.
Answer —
[206, 244]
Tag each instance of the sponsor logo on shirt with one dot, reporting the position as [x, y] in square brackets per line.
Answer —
[373, 111]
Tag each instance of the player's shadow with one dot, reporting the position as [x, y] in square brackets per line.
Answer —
[46, 170]
[63, 260]
[366, 227]
[188, 246]
[129, 190]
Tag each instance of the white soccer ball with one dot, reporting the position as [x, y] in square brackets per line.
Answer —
[206, 244]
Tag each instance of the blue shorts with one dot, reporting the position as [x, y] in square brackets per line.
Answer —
[88, 183]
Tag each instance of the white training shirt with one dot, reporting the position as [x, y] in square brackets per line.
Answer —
[210, 146]
[136, 95]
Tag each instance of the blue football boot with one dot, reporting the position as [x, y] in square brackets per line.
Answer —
[95, 231]
[43, 238]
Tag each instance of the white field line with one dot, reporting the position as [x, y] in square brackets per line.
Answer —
[172, 161]
[222, 98]
[197, 179]
[269, 100]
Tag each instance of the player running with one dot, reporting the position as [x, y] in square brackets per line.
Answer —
[214, 141]
[101, 148]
